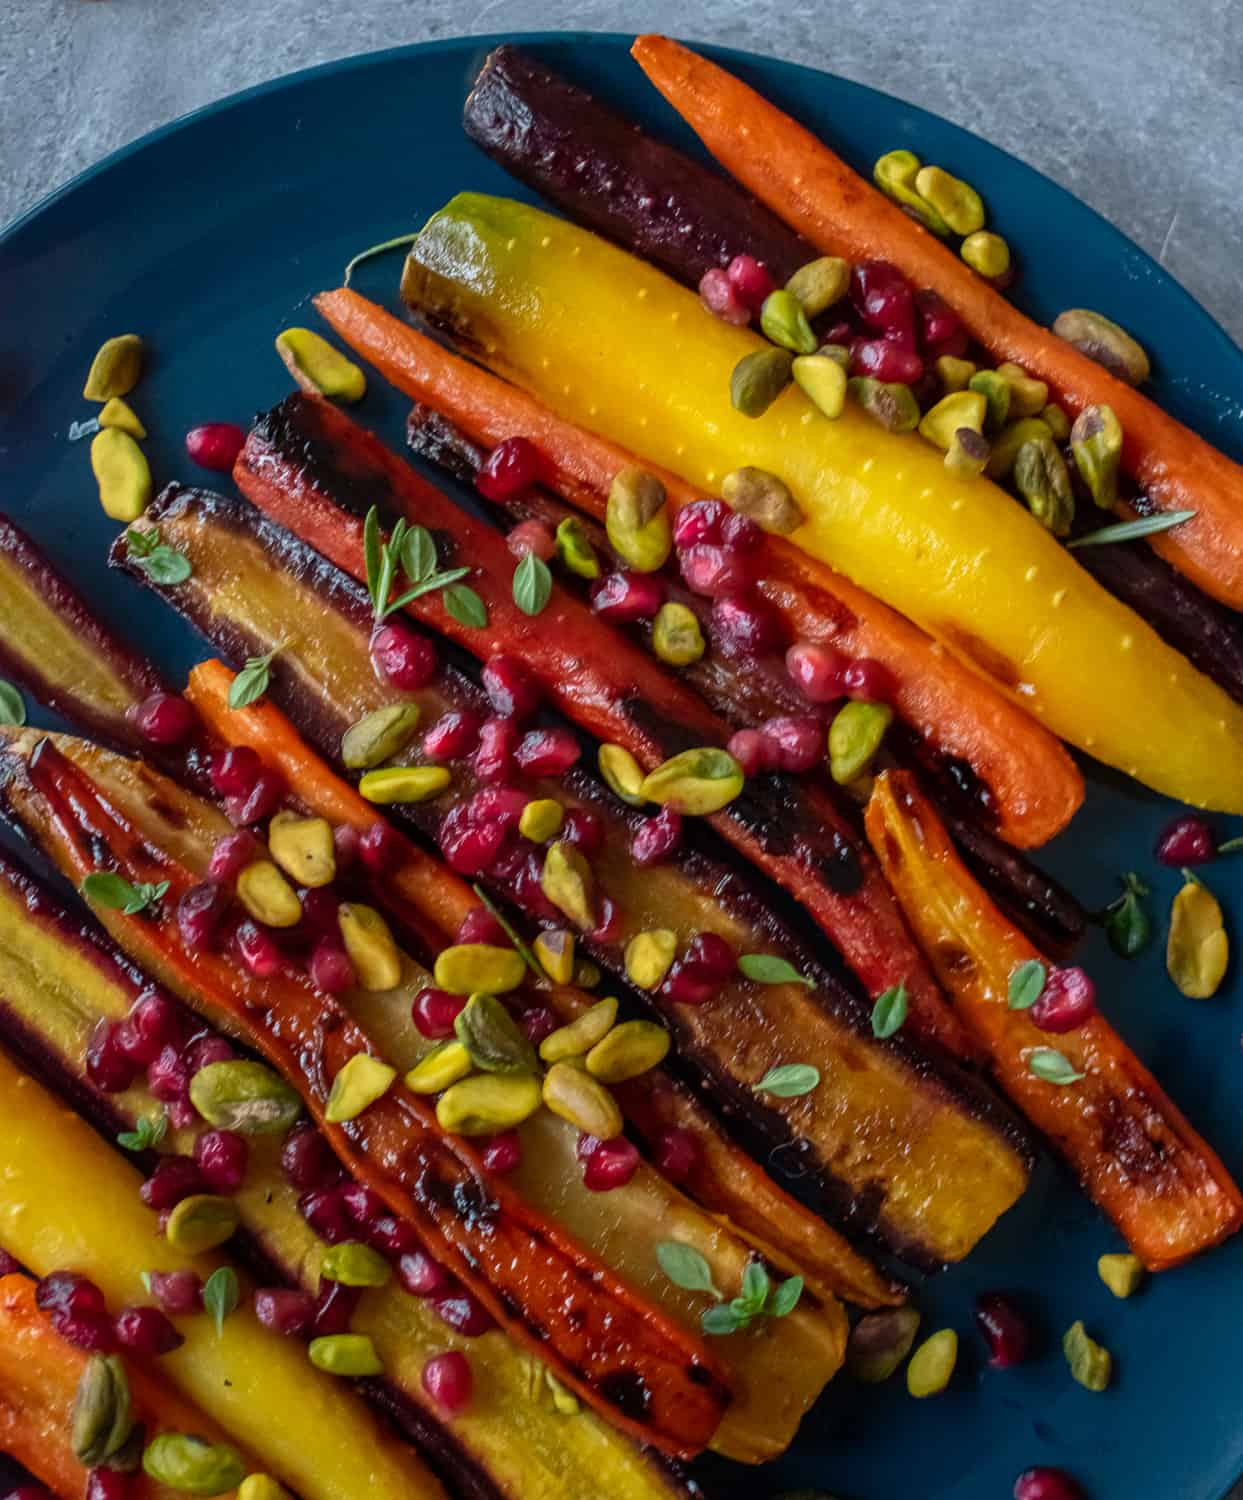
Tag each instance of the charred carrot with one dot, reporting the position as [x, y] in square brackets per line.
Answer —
[816, 193]
[1132, 1149]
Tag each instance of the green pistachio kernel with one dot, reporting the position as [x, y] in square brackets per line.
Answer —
[575, 550]
[649, 956]
[117, 412]
[956, 201]
[261, 1487]
[103, 1416]
[986, 253]
[784, 322]
[354, 1264]
[1090, 1364]
[968, 453]
[822, 379]
[586, 974]
[895, 175]
[268, 896]
[584, 1101]
[892, 405]
[405, 783]
[758, 379]
[440, 1068]
[489, 1103]
[695, 783]
[370, 946]
[763, 498]
[879, 1342]
[1122, 1274]
[319, 368]
[1009, 440]
[1041, 477]
[1027, 396]
[201, 1222]
[995, 389]
[676, 636]
[1056, 420]
[303, 848]
[492, 1038]
[1102, 340]
[623, 775]
[192, 1465]
[953, 373]
[122, 474]
[555, 952]
[1096, 446]
[581, 1035]
[350, 1354]
[632, 1048]
[541, 819]
[567, 881]
[478, 969]
[932, 1364]
[961, 409]
[115, 369]
[636, 519]
[819, 284]
[246, 1097]
[855, 736]
[379, 735]
[357, 1086]
[838, 353]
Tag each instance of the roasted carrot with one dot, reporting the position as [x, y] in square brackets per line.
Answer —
[816, 193]
[1128, 1143]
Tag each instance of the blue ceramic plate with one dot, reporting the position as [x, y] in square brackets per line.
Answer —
[209, 236]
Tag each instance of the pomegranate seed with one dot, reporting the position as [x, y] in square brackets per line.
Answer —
[146, 1331]
[463, 1313]
[174, 1178]
[1004, 1329]
[512, 466]
[497, 804]
[258, 805]
[842, 333]
[402, 658]
[657, 837]
[800, 742]
[334, 1307]
[363, 1204]
[623, 598]
[940, 328]
[221, 1157]
[494, 759]
[199, 913]
[257, 950]
[547, 752]
[380, 849]
[67, 1292]
[715, 571]
[434, 1012]
[163, 719]
[740, 534]
[215, 445]
[231, 856]
[754, 751]
[91, 1331]
[532, 537]
[452, 736]
[1046, 1484]
[817, 670]
[687, 984]
[868, 680]
[503, 1153]
[537, 1022]
[422, 1276]
[168, 1078]
[1066, 1002]
[9, 1265]
[480, 926]
[608, 930]
[107, 1066]
[447, 1379]
[177, 1292]
[1186, 841]
[470, 848]
[207, 1049]
[392, 1237]
[34, 1492]
[885, 359]
[584, 829]
[713, 953]
[701, 521]
[319, 912]
[676, 1154]
[882, 296]
[330, 968]
[234, 771]
[284, 1311]
[307, 1160]
[512, 691]
[109, 1484]
[345, 842]
[744, 627]
[750, 279]
[325, 1210]
[720, 297]
[153, 1024]
[611, 1165]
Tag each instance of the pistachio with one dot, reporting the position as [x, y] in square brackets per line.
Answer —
[676, 636]
[586, 974]
[995, 389]
[303, 848]
[1090, 1364]
[361, 1081]
[1041, 477]
[379, 735]
[986, 253]
[758, 379]
[956, 201]
[838, 353]
[581, 1035]
[1197, 951]
[405, 783]
[102, 1412]
[879, 1342]
[439, 1069]
[892, 405]
[1009, 440]
[261, 1487]
[541, 819]
[855, 736]
[319, 368]
[895, 174]
[632, 1048]
[623, 775]
[351, 1354]
[192, 1465]
[354, 1264]
[1102, 340]
[244, 1096]
[128, 1457]
[567, 882]
[555, 952]
[932, 1364]
[1096, 446]
[489, 1103]
[962, 409]
[822, 379]
[115, 369]
[1056, 420]
[1027, 396]
[370, 945]
[575, 549]
[649, 956]
[122, 474]
[636, 519]
[582, 1100]
[953, 373]
[118, 413]
[268, 896]
[763, 498]
[697, 782]
[820, 283]
[784, 322]
[200, 1223]
[478, 969]
[492, 1038]
[968, 453]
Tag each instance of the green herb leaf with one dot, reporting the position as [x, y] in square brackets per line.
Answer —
[220, 1295]
[1127, 923]
[167, 565]
[889, 1012]
[418, 554]
[1231, 846]
[790, 1081]
[12, 704]
[685, 1267]
[1052, 1066]
[1130, 531]
[373, 555]
[512, 933]
[429, 585]
[721, 1319]
[785, 1298]
[756, 1286]
[465, 606]
[1027, 981]
[140, 544]
[251, 682]
[532, 584]
[381, 249]
[106, 888]
[767, 968]
[148, 1132]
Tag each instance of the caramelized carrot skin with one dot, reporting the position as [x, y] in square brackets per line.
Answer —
[816, 193]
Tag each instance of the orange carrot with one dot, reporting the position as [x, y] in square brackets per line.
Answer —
[816, 193]
[1035, 784]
